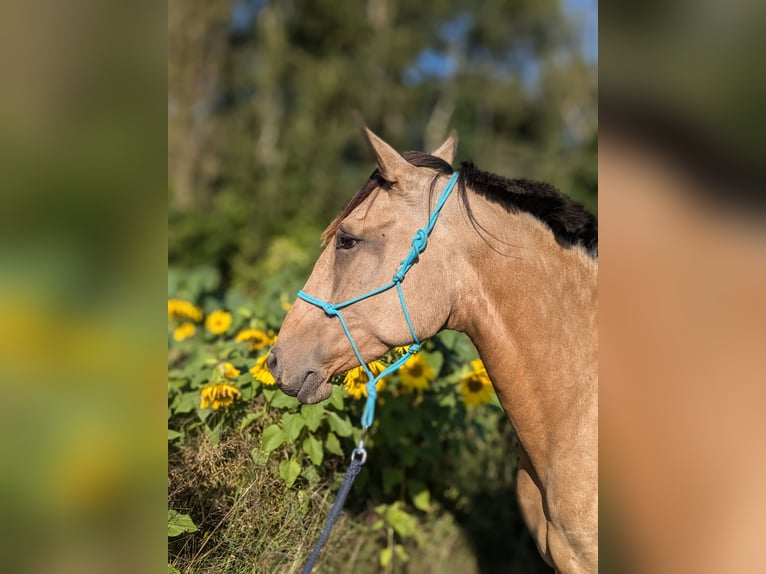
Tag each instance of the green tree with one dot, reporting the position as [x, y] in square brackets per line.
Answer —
[288, 153]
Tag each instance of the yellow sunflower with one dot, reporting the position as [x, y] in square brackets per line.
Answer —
[184, 331]
[179, 309]
[355, 381]
[476, 388]
[218, 322]
[228, 371]
[217, 396]
[416, 374]
[261, 373]
[257, 338]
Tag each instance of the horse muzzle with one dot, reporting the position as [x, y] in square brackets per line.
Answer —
[307, 385]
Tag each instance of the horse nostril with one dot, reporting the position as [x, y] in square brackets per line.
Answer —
[271, 363]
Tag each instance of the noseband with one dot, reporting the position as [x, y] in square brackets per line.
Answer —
[419, 243]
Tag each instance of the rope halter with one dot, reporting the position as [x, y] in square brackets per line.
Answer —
[419, 244]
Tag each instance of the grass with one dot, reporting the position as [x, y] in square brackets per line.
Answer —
[249, 522]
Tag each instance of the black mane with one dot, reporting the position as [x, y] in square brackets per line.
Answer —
[570, 223]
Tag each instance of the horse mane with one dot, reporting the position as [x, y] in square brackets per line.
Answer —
[570, 223]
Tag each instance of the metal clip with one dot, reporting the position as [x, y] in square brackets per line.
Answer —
[360, 450]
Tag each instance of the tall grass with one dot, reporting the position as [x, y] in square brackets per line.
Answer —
[251, 523]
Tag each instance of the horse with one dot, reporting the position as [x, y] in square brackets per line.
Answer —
[510, 262]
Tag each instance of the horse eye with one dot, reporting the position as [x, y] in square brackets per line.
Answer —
[345, 242]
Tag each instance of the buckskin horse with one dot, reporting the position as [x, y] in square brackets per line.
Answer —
[513, 264]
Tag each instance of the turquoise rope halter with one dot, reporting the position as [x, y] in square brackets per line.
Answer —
[419, 243]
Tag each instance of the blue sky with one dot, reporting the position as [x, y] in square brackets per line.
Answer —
[586, 12]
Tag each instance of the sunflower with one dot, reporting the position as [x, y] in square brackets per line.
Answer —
[476, 387]
[228, 371]
[257, 338]
[217, 396]
[218, 322]
[355, 381]
[416, 374]
[184, 331]
[179, 309]
[261, 373]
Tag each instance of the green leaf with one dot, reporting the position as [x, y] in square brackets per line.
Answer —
[186, 402]
[401, 553]
[248, 418]
[273, 436]
[459, 343]
[179, 523]
[289, 470]
[336, 398]
[176, 384]
[247, 389]
[292, 424]
[436, 360]
[283, 401]
[259, 457]
[174, 434]
[391, 477]
[403, 524]
[332, 444]
[173, 570]
[385, 556]
[313, 415]
[311, 475]
[203, 415]
[214, 433]
[341, 426]
[313, 447]
[200, 377]
[269, 394]
[447, 400]
[421, 497]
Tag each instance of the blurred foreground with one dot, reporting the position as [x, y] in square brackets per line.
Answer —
[682, 283]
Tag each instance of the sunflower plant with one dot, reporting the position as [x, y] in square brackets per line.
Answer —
[438, 406]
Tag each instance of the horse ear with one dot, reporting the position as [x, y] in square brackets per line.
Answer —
[448, 149]
[391, 164]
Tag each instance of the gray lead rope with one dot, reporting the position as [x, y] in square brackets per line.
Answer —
[358, 457]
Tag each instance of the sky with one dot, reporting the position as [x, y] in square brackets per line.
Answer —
[586, 12]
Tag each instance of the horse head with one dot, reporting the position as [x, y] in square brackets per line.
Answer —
[364, 248]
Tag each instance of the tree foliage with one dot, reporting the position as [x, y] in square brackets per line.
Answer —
[263, 144]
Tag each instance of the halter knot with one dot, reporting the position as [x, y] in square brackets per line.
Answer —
[329, 309]
[398, 276]
[420, 240]
[414, 348]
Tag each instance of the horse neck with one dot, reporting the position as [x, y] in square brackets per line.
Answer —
[529, 306]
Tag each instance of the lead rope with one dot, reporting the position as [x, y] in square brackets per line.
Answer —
[358, 457]
[359, 454]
